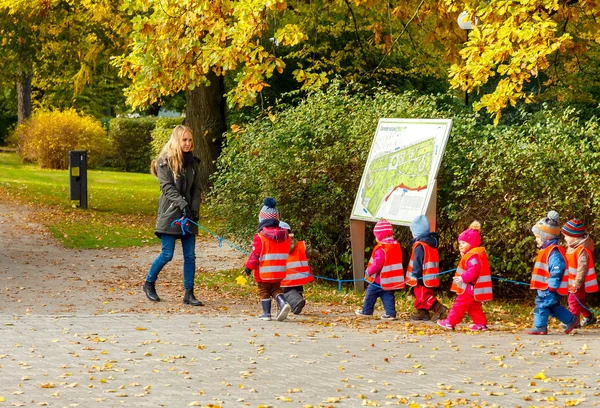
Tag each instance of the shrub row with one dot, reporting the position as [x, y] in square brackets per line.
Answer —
[130, 143]
[311, 158]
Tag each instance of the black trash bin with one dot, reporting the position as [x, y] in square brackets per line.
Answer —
[78, 177]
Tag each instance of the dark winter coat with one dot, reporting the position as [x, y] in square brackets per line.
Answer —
[177, 195]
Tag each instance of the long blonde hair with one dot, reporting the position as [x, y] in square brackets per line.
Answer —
[171, 151]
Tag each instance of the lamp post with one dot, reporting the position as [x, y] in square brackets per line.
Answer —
[465, 23]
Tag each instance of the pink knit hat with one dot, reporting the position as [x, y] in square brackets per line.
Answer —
[472, 235]
[383, 229]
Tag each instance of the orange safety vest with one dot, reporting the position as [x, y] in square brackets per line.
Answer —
[591, 283]
[541, 275]
[297, 271]
[483, 287]
[431, 267]
[391, 276]
[273, 259]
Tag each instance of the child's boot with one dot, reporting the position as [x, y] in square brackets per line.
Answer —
[572, 324]
[438, 311]
[421, 315]
[284, 308]
[586, 321]
[538, 330]
[266, 306]
[296, 300]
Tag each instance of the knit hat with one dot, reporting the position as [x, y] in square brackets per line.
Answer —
[420, 226]
[471, 235]
[547, 228]
[269, 210]
[383, 229]
[574, 228]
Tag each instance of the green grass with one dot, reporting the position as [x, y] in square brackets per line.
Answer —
[121, 206]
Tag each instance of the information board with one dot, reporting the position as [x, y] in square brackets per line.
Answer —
[401, 169]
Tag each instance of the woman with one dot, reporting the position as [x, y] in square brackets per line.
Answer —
[177, 171]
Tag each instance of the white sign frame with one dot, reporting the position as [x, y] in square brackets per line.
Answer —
[401, 144]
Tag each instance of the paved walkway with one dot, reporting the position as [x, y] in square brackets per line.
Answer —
[59, 348]
[234, 361]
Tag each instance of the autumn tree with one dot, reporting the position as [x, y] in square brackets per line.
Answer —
[60, 49]
[529, 50]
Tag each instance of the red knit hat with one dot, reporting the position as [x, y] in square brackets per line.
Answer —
[383, 229]
[471, 235]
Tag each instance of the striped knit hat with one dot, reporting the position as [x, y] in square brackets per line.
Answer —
[547, 228]
[383, 229]
[574, 228]
[269, 210]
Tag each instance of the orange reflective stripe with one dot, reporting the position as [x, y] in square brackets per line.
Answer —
[590, 282]
[482, 290]
[431, 266]
[298, 271]
[273, 259]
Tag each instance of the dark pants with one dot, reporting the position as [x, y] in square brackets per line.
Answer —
[188, 243]
[387, 298]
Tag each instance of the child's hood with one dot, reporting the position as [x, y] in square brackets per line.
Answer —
[585, 242]
[276, 234]
[432, 239]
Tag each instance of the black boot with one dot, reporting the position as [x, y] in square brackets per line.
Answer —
[296, 300]
[150, 291]
[266, 306]
[190, 299]
[284, 308]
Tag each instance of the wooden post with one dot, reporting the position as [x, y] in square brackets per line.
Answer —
[357, 242]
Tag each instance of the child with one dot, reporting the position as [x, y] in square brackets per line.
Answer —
[298, 272]
[384, 273]
[423, 270]
[472, 281]
[548, 277]
[582, 276]
[270, 250]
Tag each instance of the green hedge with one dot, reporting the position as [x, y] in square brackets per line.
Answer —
[162, 132]
[131, 141]
[311, 158]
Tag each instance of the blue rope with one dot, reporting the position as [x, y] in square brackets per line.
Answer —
[508, 280]
[219, 238]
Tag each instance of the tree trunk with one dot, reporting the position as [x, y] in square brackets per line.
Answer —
[205, 115]
[24, 97]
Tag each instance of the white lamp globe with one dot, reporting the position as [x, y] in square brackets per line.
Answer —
[464, 21]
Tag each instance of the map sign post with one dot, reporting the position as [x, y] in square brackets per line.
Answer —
[399, 180]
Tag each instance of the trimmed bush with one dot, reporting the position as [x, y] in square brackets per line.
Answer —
[131, 141]
[311, 157]
[162, 132]
[47, 137]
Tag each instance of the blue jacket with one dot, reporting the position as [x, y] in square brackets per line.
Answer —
[556, 264]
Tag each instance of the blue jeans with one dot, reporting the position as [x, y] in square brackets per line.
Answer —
[548, 304]
[387, 298]
[188, 243]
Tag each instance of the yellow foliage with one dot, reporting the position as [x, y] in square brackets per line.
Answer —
[47, 137]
